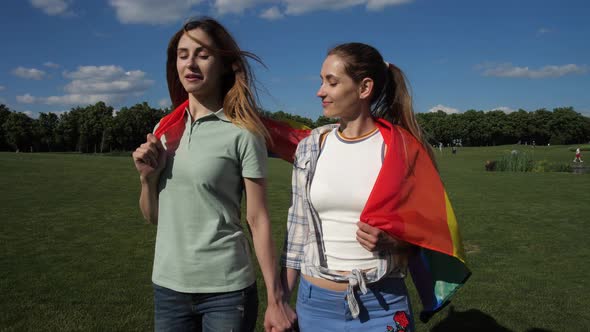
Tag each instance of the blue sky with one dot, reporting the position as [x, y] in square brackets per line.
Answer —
[457, 54]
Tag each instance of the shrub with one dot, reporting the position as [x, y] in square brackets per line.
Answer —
[490, 165]
[546, 166]
[515, 162]
[561, 167]
[541, 166]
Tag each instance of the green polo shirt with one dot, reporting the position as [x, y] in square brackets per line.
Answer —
[200, 244]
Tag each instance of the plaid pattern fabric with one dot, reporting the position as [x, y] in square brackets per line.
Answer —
[303, 248]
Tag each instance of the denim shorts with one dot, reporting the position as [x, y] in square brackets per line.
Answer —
[209, 312]
[385, 308]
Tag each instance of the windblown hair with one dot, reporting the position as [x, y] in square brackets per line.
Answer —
[237, 85]
[391, 99]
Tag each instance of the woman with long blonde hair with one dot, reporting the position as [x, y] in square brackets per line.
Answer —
[351, 274]
[193, 171]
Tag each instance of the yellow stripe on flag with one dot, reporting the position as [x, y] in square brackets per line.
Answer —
[295, 125]
[454, 230]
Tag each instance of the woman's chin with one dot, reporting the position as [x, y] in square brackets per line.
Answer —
[192, 87]
[197, 91]
[329, 114]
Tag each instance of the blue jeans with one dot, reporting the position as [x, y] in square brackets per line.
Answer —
[385, 307]
[208, 312]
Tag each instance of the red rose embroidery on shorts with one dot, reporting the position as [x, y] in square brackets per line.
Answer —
[401, 321]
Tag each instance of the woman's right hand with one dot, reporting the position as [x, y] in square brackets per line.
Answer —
[374, 239]
[150, 158]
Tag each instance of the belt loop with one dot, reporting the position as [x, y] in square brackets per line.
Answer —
[309, 285]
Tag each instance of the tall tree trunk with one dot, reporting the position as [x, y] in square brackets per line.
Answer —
[102, 142]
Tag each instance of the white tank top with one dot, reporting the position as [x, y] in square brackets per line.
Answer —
[344, 177]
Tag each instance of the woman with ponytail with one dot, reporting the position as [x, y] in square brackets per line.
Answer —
[351, 274]
[193, 170]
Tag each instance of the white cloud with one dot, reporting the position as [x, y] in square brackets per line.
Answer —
[164, 102]
[106, 80]
[272, 13]
[100, 34]
[25, 99]
[80, 99]
[508, 70]
[297, 7]
[543, 31]
[58, 113]
[163, 12]
[2, 87]
[446, 109]
[52, 7]
[236, 6]
[504, 109]
[152, 11]
[29, 73]
[31, 115]
[380, 4]
[51, 64]
[91, 84]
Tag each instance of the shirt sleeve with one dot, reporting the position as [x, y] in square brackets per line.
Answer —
[297, 221]
[253, 155]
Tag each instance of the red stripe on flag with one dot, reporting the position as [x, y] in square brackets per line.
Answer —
[407, 200]
[284, 138]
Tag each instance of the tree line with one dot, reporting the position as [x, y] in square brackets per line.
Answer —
[563, 125]
[95, 129]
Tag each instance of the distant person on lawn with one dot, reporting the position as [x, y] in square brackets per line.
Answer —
[578, 156]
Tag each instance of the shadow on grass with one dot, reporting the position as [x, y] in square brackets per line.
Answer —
[472, 320]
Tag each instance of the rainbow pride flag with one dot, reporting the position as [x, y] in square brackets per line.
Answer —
[172, 125]
[285, 134]
[407, 201]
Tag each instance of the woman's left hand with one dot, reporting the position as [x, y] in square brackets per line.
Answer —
[279, 317]
[374, 239]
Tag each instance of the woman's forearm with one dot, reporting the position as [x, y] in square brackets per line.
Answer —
[289, 279]
[148, 200]
[265, 253]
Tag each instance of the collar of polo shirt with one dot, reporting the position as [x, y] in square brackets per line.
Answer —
[220, 114]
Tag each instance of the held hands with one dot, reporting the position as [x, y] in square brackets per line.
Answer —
[150, 158]
[279, 317]
[374, 239]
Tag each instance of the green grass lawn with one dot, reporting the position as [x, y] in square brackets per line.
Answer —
[76, 254]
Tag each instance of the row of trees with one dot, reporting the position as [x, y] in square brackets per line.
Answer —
[95, 128]
[280, 115]
[478, 128]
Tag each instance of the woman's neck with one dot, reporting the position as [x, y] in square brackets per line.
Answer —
[199, 107]
[357, 126]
